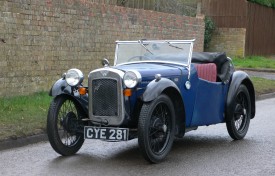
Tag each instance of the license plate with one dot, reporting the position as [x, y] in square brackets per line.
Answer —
[106, 133]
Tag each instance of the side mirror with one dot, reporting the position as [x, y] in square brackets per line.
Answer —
[105, 62]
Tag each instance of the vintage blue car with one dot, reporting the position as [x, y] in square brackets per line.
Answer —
[157, 90]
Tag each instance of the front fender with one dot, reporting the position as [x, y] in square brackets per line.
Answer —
[156, 87]
[60, 87]
[238, 78]
[82, 101]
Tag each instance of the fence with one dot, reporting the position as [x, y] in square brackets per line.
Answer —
[260, 33]
[258, 20]
[226, 13]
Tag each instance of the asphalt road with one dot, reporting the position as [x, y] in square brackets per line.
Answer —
[266, 75]
[207, 151]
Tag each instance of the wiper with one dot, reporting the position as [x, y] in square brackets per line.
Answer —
[140, 41]
[174, 46]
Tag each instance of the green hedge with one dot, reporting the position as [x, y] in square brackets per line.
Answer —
[209, 29]
[268, 3]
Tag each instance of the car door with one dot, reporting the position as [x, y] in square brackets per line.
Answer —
[209, 103]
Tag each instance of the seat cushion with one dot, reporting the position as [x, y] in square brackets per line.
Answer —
[207, 71]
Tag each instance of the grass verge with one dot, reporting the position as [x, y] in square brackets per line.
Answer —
[23, 115]
[263, 86]
[254, 62]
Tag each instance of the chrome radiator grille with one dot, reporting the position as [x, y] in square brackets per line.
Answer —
[106, 101]
[105, 97]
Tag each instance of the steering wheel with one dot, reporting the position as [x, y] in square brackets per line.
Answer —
[140, 58]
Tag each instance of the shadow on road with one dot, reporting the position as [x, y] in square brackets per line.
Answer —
[189, 149]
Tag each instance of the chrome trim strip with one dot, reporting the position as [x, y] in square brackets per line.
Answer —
[158, 41]
[189, 60]
[115, 61]
[119, 72]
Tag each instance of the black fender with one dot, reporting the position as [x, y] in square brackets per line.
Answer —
[156, 87]
[238, 78]
[168, 87]
[61, 88]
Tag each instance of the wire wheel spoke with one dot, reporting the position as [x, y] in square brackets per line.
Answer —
[159, 128]
[240, 115]
[66, 121]
[238, 123]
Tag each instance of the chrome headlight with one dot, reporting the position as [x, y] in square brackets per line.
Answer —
[74, 77]
[131, 79]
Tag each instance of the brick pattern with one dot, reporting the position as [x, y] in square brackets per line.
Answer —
[231, 40]
[41, 39]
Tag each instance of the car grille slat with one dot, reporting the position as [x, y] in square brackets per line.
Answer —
[105, 97]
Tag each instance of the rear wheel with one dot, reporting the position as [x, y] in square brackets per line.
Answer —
[237, 125]
[156, 128]
[64, 126]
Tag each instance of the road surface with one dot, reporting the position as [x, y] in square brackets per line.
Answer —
[207, 151]
[266, 75]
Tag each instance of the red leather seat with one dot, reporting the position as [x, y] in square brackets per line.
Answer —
[207, 71]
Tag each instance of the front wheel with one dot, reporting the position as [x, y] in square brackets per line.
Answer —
[64, 126]
[156, 128]
[237, 125]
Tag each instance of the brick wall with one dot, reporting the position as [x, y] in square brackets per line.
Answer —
[41, 39]
[231, 40]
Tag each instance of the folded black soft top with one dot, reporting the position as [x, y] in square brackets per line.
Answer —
[224, 69]
[206, 57]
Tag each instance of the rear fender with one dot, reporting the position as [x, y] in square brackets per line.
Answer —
[238, 78]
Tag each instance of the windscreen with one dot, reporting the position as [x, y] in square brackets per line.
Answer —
[156, 51]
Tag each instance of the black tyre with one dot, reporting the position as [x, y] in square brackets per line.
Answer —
[156, 128]
[64, 126]
[237, 126]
